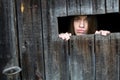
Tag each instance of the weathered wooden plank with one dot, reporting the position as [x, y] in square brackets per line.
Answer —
[82, 58]
[101, 58]
[30, 39]
[117, 51]
[46, 13]
[113, 69]
[86, 7]
[60, 8]
[38, 40]
[60, 59]
[36, 34]
[26, 38]
[4, 41]
[98, 6]
[50, 32]
[57, 8]
[57, 61]
[112, 6]
[73, 7]
[8, 41]
[105, 58]
[118, 54]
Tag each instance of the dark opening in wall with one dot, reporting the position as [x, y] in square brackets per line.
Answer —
[64, 24]
[108, 21]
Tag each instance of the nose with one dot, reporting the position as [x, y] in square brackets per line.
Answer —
[81, 24]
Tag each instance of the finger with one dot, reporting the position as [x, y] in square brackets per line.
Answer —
[105, 33]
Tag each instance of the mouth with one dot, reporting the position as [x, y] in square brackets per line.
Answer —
[80, 31]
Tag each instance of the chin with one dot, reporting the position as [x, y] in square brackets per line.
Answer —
[80, 34]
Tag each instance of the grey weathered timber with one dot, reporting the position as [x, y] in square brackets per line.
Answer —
[112, 6]
[8, 41]
[86, 7]
[59, 7]
[50, 33]
[26, 56]
[58, 65]
[73, 7]
[38, 39]
[82, 58]
[46, 34]
[98, 6]
[107, 67]
[114, 57]
[30, 39]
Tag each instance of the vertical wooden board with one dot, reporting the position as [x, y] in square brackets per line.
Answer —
[100, 65]
[118, 52]
[118, 42]
[73, 7]
[112, 6]
[86, 7]
[82, 58]
[45, 22]
[98, 6]
[60, 8]
[88, 56]
[46, 35]
[38, 39]
[64, 58]
[25, 38]
[8, 42]
[51, 32]
[57, 8]
[103, 56]
[4, 40]
[57, 61]
[60, 59]
[51, 23]
[113, 69]
[30, 39]
[117, 37]
[76, 60]
[48, 22]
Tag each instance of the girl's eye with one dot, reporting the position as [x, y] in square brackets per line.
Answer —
[77, 18]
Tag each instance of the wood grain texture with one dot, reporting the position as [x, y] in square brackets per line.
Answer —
[29, 38]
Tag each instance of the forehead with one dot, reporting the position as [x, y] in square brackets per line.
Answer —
[81, 17]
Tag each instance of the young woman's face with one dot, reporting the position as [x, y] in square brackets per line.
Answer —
[80, 25]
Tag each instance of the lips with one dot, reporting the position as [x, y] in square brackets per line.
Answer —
[80, 31]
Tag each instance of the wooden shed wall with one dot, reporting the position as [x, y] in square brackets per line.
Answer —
[27, 37]
[8, 42]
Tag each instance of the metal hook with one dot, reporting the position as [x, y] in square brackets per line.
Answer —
[12, 70]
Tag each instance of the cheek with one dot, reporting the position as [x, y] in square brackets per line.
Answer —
[76, 25]
[86, 26]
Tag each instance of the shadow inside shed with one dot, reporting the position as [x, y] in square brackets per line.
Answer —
[109, 21]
